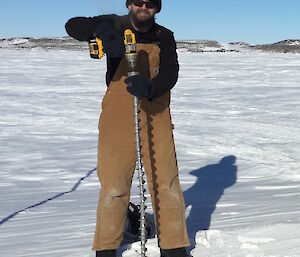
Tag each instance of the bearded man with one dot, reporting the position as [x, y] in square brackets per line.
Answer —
[157, 64]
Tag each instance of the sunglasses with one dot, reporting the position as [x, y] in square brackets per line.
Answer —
[140, 3]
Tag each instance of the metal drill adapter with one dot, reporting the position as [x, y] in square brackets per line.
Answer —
[131, 56]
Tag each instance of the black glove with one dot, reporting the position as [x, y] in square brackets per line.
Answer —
[113, 43]
[137, 85]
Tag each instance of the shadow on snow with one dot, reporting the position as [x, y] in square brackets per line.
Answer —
[202, 198]
[49, 199]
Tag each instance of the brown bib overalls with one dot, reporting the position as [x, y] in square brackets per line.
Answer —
[117, 159]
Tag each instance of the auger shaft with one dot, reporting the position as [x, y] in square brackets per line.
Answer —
[141, 174]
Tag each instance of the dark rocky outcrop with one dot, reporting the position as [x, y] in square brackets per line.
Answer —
[67, 43]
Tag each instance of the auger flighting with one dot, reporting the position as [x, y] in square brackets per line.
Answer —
[131, 56]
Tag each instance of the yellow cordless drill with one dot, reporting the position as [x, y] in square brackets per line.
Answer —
[96, 48]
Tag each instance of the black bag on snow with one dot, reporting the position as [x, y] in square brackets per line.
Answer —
[132, 224]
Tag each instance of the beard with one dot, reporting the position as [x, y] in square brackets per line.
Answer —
[141, 24]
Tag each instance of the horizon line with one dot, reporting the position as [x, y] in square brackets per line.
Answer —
[195, 39]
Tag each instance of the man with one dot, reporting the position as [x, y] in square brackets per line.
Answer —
[158, 67]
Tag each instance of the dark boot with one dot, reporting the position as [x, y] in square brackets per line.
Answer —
[177, 252]
[106, 253]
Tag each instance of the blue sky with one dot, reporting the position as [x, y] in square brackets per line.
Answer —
[253, 21]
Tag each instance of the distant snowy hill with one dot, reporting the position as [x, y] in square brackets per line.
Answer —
[205, 46]
[285, 46]
[64, 43]
[67, 43]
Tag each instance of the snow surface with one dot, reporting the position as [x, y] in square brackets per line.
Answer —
[237, 138]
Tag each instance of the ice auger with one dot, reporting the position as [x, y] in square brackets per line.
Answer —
[131, 56]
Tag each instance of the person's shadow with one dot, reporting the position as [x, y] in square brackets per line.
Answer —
[201, 199]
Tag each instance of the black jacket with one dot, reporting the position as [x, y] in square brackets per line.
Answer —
[83, 29]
